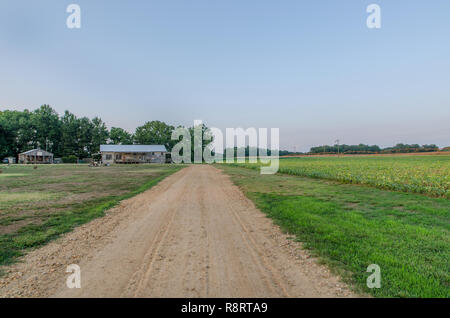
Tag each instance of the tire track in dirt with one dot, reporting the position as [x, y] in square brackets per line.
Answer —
[193, 235]
[258, 256]
[151, 254]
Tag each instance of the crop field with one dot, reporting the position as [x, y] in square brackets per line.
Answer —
[349, 226]
[37, 205]
[428, 175]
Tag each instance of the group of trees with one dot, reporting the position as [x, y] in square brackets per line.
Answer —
[366, 149]
[68, 135]
[45, 129]
[404, 148]
[351, 149]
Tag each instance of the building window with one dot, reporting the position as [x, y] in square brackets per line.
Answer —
[108, 157]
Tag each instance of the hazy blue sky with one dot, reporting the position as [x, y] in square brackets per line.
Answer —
[311, 68]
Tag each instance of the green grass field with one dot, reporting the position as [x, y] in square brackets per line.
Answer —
[37, 205]
[348, 223]
[428, 175]
[350, 226]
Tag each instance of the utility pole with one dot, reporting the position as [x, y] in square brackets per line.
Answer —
[337, 142]
[46, 144]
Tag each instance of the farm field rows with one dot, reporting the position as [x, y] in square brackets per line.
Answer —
[351, 226]
[36, 205]
[428, 175]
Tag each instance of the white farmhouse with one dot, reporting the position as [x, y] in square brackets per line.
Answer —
[133, 153]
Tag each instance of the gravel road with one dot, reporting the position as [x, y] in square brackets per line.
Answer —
[193, 235]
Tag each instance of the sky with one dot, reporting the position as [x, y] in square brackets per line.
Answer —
[312, 68]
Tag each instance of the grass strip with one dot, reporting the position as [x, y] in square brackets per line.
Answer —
[350, 227]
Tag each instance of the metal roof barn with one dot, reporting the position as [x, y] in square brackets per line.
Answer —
[133, 148]
[36, 156]
[133, 153]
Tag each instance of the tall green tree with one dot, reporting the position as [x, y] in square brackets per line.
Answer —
[206, 137]
[85, 135]
[5, 138]
[156, 133]
[100, 135]
[46, 128]
[69, 134]
[18, 131]
[119, 136]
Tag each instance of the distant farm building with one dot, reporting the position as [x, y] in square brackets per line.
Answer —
[9, 160]
[37, 156]
[133, 153]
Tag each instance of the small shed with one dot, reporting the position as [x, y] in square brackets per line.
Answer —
[36, 156]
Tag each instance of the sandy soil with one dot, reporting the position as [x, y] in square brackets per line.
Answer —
[193, 235]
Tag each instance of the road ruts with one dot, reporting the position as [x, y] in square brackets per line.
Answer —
[193, 235]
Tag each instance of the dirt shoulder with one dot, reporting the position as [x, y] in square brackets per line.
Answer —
[193, 235]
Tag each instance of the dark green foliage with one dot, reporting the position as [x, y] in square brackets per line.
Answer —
[70, 159]
[366, 149]
[69, 135]
[155, 133]
[43, 128]
[119, 136]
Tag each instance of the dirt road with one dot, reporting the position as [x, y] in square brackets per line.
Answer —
[193, 235]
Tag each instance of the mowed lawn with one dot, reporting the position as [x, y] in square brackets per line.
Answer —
[37, 205]
[351, 226]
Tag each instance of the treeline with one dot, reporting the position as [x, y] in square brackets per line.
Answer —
[44, 128]
[69, 135]
[81, 137]
[404, 148]
[247, 151]
[374, 149]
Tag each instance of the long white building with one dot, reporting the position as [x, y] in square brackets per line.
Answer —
[133, 153]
